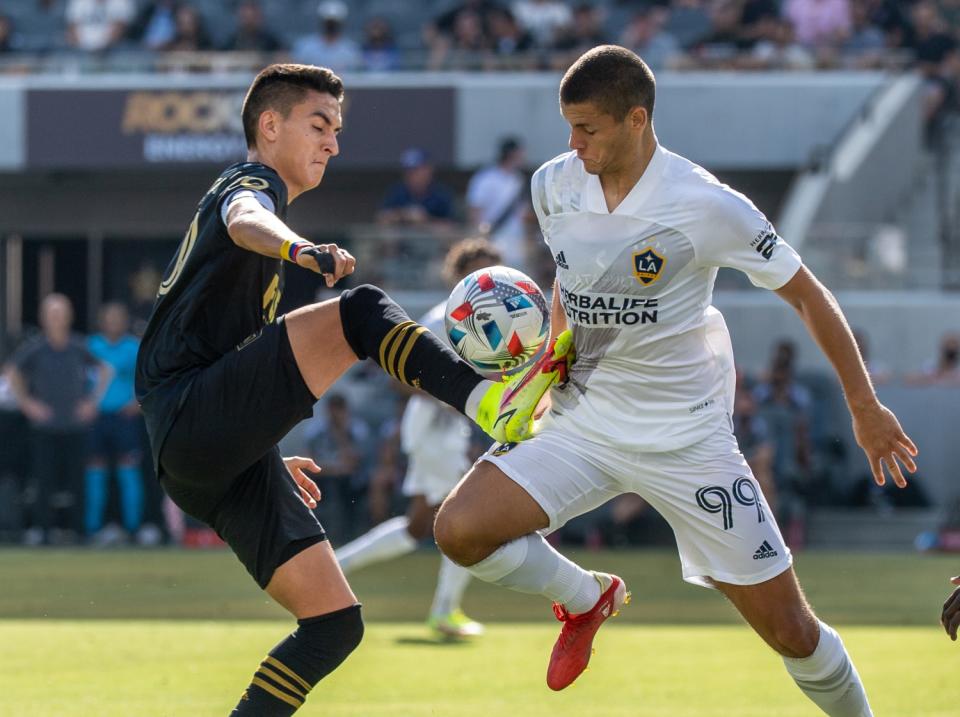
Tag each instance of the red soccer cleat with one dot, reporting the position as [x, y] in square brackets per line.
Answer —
[573, 648]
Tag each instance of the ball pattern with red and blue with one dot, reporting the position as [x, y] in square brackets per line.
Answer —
[497, 318]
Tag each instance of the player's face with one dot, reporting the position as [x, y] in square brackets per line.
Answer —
[307, 140]
[601, 142]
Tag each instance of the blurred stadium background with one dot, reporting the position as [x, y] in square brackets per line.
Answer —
[837, 117]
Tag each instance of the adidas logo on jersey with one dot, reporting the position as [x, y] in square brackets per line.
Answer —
[765, 551]
[561, 261]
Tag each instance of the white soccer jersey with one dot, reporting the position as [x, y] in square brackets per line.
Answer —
[654, 368]
[434, 437]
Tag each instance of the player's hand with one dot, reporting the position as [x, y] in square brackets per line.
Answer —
[343, 262]
[950, 617]
[879, 434]
[308, 489]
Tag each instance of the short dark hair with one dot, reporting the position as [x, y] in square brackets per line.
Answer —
[279, 87]
[613, 78]
[466, 252]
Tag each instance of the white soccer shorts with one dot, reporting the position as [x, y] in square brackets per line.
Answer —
[432, 485]
[706, 492]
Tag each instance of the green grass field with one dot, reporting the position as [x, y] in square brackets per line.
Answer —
[134, 633]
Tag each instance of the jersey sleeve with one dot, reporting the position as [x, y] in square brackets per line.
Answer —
[737, 235]
[257, 179]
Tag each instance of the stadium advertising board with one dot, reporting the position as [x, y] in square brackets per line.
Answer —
[143, 128]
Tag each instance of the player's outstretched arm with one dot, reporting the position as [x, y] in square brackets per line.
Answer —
[875, 427]
[255, 228]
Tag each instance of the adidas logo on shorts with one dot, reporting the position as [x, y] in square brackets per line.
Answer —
[765, 551]
[561, 261]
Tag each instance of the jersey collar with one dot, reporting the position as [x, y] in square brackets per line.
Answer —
[649, 180]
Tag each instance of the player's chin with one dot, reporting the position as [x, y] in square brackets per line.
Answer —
[315, 174]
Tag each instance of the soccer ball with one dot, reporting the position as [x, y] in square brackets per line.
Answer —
[497, 318]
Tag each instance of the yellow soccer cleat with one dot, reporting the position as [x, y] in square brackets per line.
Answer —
[506, 410]
[455, 625]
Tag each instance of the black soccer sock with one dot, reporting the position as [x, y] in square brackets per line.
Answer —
[377, 328]
[312, 651]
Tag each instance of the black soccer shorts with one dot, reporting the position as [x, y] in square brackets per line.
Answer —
[220, 463]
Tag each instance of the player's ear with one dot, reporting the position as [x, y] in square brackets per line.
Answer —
[268, 124]
[639, 118]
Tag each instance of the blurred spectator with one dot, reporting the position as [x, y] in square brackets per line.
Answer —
[155, 26]
[866, 43]
[753, 17]
[143, 283]
[753, 436]
[252, 34]
[510, 44]
[191, 33]
[945, 369]
[776, 48]
[819, 22]
[784, 405]
[329, 47]
[417, 199]
[49, 377]
[935, 49]
[380, 52]
[689, 22]
[338, 441]
[445, 23]
[584, 31]
[95, 25]
[724, 41]
[115, 435]
[950, 12]
[9, 41]
[645, 35]
[497, 199]
[388, 471]
[464, 47]
[544, 19]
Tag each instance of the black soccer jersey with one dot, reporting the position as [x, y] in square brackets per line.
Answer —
[214, 295]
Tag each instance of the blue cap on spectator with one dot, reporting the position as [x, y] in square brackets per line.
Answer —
[414, 157]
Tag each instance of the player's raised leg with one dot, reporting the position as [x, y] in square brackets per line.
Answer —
[364, 322]
[812, 651]
[489, 523]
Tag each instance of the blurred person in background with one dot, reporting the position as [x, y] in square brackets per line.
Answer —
[945, 369]
[417, 199]
[379, 49]
[437, 443]
[689, 21]
[865, 47]
[115, 437]
[97, 25]
[330, 46]
[498, 200]
[464, 47]
[544, 19]
[510, 45]
[9, 41]
[819, 23]
[584, 31]
[190, 33]
[646, 36]
[252, 34]
[936, 54]
[50, 380]
[753, 437]
[155, 25]
[338, 440]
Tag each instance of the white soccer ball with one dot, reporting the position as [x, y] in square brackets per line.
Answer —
[497, 318]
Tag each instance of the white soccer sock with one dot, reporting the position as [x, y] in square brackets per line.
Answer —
[473, 400]
[829, 678]
[388, 540]
[451, 582]
[530, 565]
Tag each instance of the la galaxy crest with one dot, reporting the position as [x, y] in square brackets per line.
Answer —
[648, 266]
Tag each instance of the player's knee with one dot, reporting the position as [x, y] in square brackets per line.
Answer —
[329, 639]
[796, 635]
[356, 306]
[455, 536]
